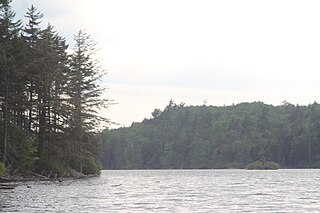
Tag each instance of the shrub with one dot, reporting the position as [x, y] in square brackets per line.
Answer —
[22, 150]
[54, 166]
[259, 165]
[91, 166]
[315, 165]
[271, 165]
[255, 165]
[2, 169]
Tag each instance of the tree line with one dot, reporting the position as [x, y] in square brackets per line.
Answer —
[182, 137]
[49, 97]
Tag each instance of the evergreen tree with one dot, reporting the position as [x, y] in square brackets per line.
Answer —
[217, 137]
[32, 35]
[10, 92]
[84, 93]
[48, 99]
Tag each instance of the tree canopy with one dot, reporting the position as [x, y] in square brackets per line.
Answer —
[183, 137]
[49, 96]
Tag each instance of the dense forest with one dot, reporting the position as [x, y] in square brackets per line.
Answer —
[49, 97]
[49, 102]
[217, 137]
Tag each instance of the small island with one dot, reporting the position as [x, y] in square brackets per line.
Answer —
[259, 165]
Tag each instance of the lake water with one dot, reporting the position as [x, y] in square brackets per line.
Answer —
[172, 191]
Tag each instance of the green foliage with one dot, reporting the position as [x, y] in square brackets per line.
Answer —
[316, 165]
[2, 169]
[271, 165]
[255, 165]
[261, 165]
[22, 151]
[91, 166]
[48, 99]
[217, 137]
[52, 166]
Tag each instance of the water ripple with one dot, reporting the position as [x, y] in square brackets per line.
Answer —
[172, 191]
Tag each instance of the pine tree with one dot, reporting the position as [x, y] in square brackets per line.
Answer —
[48, 99]
[9, 92]
[31, 34]
[35, 73]
[84, 93]
[51, 96]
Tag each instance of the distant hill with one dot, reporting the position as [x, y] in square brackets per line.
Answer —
[181, 137]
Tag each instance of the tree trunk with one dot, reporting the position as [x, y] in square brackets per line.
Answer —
[30, 109]
[6, 117]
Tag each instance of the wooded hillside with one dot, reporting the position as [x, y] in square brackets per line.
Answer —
[217, 137]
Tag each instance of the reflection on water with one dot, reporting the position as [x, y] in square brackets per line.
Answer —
[172, 191]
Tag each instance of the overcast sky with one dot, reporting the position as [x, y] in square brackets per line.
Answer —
[225, 52]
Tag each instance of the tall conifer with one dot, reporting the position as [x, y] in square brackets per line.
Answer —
[84, 95]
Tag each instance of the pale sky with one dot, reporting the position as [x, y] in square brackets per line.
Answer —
[225, 52]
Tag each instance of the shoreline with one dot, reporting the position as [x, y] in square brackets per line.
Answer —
[37, 177]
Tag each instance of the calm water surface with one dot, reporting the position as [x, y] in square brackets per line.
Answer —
[172, 191]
